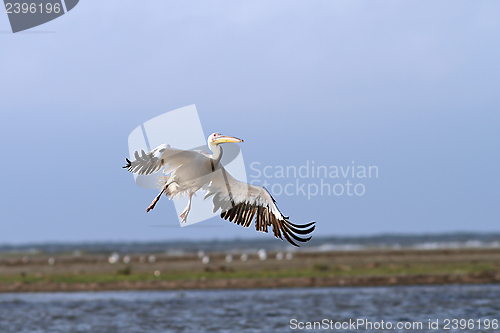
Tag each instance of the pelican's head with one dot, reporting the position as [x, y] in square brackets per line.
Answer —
[216, 138]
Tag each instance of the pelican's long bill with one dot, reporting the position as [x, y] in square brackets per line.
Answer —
[224, 139]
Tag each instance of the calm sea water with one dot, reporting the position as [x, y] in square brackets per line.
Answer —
[258, 310]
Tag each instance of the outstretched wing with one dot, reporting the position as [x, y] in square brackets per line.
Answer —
[242, 203]
[163, 155]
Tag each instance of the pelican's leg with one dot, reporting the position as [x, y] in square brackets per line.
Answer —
[153, 204]
[186, 210]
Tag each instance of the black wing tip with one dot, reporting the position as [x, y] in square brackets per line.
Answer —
[291, 229]
[286, 230]
[301, 226]
[128, 165]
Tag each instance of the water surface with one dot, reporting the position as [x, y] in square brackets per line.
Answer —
[258, 310]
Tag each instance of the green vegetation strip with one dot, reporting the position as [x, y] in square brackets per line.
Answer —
[317, 270]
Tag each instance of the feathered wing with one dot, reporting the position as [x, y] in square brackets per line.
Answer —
[163, 155]
[242, 203]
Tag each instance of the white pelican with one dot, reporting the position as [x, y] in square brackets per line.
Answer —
[239, 202]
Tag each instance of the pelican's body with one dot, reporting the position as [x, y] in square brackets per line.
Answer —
[189, 171]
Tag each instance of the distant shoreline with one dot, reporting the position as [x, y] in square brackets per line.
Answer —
[252, 283]
[274, 270]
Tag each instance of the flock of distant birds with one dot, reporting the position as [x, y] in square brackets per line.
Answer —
[205, 259]
[114, 258]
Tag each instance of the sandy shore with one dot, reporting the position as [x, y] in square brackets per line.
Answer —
[301, 269]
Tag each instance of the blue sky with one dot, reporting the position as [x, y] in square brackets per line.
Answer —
[410, 87]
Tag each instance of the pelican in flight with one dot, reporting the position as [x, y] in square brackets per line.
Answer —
[187, 171]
